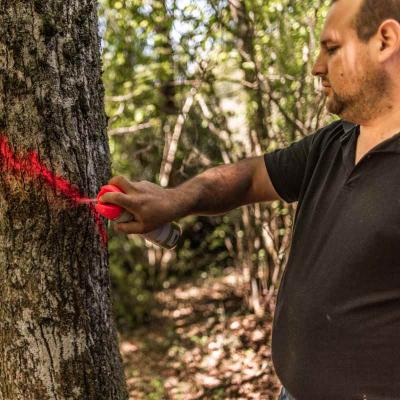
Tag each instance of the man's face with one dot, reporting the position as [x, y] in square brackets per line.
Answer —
[354, 82]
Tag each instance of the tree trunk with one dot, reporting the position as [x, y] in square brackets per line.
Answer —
[57, 338]
[245, 43]
[164, 57]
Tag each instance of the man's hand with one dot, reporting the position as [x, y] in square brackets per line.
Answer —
[150, 204]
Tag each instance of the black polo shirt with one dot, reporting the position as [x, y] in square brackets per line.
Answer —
[336, 332]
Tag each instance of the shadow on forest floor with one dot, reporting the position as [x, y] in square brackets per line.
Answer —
[201, 344]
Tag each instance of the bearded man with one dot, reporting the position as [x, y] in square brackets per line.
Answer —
[336, 332]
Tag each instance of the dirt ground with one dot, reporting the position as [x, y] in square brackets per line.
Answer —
[202, 344]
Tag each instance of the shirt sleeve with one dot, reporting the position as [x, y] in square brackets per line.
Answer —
[286, 168]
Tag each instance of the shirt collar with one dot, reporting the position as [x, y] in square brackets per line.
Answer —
[348, 128]
[391, 145]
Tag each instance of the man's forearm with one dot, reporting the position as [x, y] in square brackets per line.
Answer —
[215, 191]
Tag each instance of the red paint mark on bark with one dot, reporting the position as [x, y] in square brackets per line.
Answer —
[31, 166]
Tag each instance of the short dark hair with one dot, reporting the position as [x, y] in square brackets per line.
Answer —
[371, 15]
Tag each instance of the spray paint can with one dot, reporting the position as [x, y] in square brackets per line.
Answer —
[166, 236]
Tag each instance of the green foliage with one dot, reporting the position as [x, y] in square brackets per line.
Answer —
[240, 63]
[132, 294]
[158, 390]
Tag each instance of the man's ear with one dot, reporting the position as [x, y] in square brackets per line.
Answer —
[388, 37]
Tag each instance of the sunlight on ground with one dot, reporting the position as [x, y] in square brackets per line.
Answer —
[202, 345]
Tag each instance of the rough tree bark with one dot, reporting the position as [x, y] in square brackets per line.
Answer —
[57, 338]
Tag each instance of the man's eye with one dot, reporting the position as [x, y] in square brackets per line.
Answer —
[331, 50]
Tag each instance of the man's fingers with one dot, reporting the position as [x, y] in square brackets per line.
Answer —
[120, 199]
[129, 227]
[124, 184]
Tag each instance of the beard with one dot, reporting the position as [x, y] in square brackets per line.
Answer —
[363, 103]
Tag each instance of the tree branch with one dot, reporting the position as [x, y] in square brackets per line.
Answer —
[129, 129]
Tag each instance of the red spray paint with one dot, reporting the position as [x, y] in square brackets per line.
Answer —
[31, 166]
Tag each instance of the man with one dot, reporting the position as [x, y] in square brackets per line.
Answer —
[336, 330]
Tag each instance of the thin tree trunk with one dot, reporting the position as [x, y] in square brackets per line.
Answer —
[164, 51]
[57, 338]
[245, 43]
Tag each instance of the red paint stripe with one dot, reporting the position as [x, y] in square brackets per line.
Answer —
[31, 166]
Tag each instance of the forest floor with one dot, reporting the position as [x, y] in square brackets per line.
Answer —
[201, 344]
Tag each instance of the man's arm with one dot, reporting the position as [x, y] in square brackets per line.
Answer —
[215, 191]
[223, 188]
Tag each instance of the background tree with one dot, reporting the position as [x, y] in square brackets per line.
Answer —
[57, 338]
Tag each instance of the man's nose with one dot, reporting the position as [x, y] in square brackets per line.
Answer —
[319, 67]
